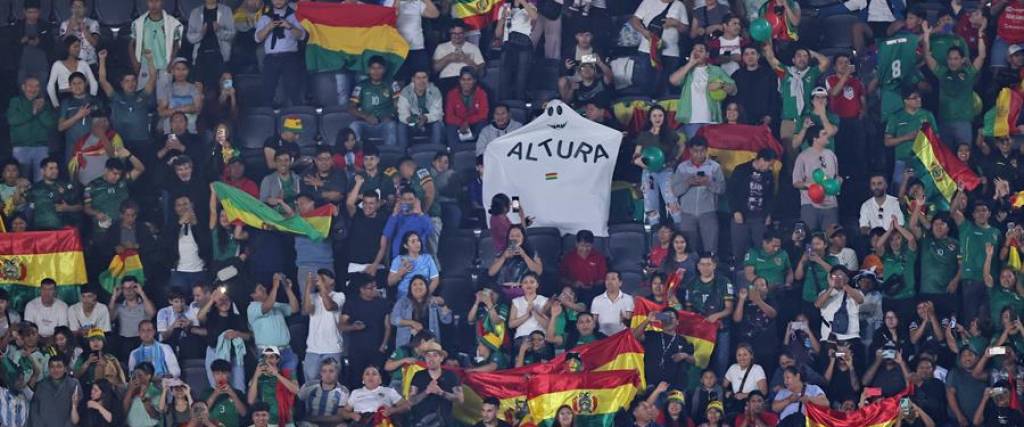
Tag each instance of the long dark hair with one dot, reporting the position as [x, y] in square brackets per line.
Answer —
[419, 308]
[402, 250]
[665, 131]
[500, 204]
[556, 423]
[525, 246]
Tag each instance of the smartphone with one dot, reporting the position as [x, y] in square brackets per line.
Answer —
[1010, 225]
[662, 317]
[870, 392]
[515, 204]
[888, 354]
[840, 355]
[997, 351]
[589, 59]
[905, 405]
[405, 208]
[952, 322]
[700, 173]
[228, 84]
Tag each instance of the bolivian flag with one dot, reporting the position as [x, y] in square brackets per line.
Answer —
[346, 36]
[491, 334]
[240, 206]
[699, 332]
[732, 145]
[594, 397]
[29, 257]
[477, 14]
[320, 219]
[1001, 119]
[883, 413]
[126, 263]
[938, 168]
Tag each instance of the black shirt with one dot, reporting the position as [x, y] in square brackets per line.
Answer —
[364, 237]
[434, 405]
[931, 397]
[840, 388]
[500, 423]
[209, 41]
[371, 313]
[278, 145]
[216, 324]
[890, 380]
[658, 364]
[996, 416]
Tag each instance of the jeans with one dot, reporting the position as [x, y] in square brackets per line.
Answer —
[30, 158]
[999, 53]
[303, 272]
[819, 219]
[287, 68]
[701, 231]
[451, 215]
[955, 133]
[651, 81]
[237, 370]
[435, 235]
[184, 280]
[344, 82]
[434, 129]
[515, 72]
[452, 133]
[384, 130]
[311, 365]
[723, 352]
[974, 300]
[897, 172]
[746, 235]
[551, 30]
[657, 187]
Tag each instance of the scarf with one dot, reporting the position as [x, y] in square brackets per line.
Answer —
[159, 364]
[796, 86]
[80, 152]
[225, 347]
[285, 399]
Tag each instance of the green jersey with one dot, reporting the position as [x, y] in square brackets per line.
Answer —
[901, 123]
[792, 108]
[267, 392]
[106, 197]
[956, 92]
[938, 263]
[376, 99]
[773, 268]
[832, 118]
[43, 198]
[707, 298]
[1000, 298]
[223, 410]
[941, 43]
[897, 69]
[816, 278]
[972, 248]
[901, 264]
[418, 182]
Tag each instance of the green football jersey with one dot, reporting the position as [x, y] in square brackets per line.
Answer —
[897, 60]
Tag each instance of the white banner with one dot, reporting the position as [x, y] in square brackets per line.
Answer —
[560, 166]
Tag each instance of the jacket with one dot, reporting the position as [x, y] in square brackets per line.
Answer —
[408, 106]
[491, 132]
[172, 27]
[703, 199]
[226, 33]
[739, 185]
[51, 403]
[403, 311]
[715, 75]
[30, 129]
[456, 113]
[271, 186]
[169, 242]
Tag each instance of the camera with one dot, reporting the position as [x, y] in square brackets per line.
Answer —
[889, 354]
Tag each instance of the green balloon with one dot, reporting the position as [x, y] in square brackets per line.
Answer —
[832, 186]
[653, 157]
[760, 30]
[818, 175]
[718, 95]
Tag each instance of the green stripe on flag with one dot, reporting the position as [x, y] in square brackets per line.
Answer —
[319, 59]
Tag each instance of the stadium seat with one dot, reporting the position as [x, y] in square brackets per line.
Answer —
[389, 155]
[457, 252]
[519, 114]
[544, 231]
[249, 88]
[62, 9]
[485, 250]
[549, 248]
[185, 8]
[17, 9]
[423, 154]
[113, 13]
[626, 250]
[458, 292]
[628, 226]
[544, 74]
[310, 126]
[325, 89]
[254, 128]
[838, 31]
[491, 79]
[422, 159]
[193, 372]
[539, 97]
[332, 123]
[463, 160]
[633, 283]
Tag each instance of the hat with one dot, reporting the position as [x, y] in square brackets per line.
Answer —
[868, 274]
[292, 124]
[716, 405]
[174, 382]
[819, 91]
[1014, 49]
[433, 346]
[95, 333]
[676, 396]
[271, 350]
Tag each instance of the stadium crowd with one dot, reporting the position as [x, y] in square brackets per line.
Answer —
[122, 113]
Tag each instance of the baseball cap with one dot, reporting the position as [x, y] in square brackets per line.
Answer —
[1014, 49]
[819, 91]
[95, 333]
[271, 350]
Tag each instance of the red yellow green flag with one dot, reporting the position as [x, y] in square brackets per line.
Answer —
[732, 145]
[27, 258]
[1001, 119]
[240, 206]
[124, 264]
[345, 36]
[477, 14]
[594, 397]
[883, 413]
[320, 219]
[699, 332]
[938, 168]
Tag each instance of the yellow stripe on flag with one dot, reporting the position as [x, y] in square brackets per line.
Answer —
[943, 182]
[1001, 126]
[63, 267]
[356, 40]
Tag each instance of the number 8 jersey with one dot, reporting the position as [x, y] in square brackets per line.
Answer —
[897, 68]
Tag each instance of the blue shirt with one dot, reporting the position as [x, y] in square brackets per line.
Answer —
[422, 265]
[309, 252]
[269, 328]
[399, 224]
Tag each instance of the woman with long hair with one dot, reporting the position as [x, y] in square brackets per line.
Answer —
[499, 223]
[58, 86]
[512, 264]
[97, 409]
[175, 403]
[348, 153]
[227, 238]
[680, 261]
[527, 314]
[418, 310]
[733, 113]
[657, 179]
[412, 262]
[9, 319]
[892, 333]
[64, 343]
[76, 109]
[564, 417]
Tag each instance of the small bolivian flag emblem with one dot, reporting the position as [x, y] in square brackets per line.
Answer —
[551, 176]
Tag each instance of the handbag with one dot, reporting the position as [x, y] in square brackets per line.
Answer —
[841, 321]
[734, 405]
[549, 9]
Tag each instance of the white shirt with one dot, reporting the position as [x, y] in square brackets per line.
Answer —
[188, 253]
[46, 318]
[59, 75]
[324, 337]
[522, 307]
[828, 313]
[700, 112]
[362, 400]
[735, 376]
[410, 22]
[872, 215]
[88, 51]
[727, 48]
[452, 69]
[847, 258]
[99, 318]
[609, 312]
[650, 9]
[166, 316]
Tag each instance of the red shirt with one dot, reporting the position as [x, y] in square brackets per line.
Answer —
[766, 417]
[245, 184]
[1011, 23]
[457, 113]
[846, 104]
[587, 271]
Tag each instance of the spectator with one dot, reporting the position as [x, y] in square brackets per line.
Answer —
[53, 397]
[796, 84]
[280, 33]
[659, 21]
[372, 396]
[710, 295]
[755, 412]
[58, 87]
[818, 115]
[1003, 296]
[613, 308]
[698, 182]
[726, 49]
[180, 141]
[47, 311]
[698, 80]
[31, 122]
[527, 313]
[324, 342]
[793, 398]
[584, 269]
[818, 215]
[269, 376]
[75, 110]
[517, 260]
[534, 349]
[225, 332]
[881, 208]
[407, 217]
[187, 244]
[452, 56]
[838, 299]
[433, 390]
[564, 310]
[929, 393]
[129, 108]
[755, 314]
[501, 124]
[367, 324]
[105, 194]
[667, 356]
[139, 399]
[898, 247]
[770, 263]
[999, 411]
[419, 311]
[222, 399]
[373, 103]
[499, 222]
[410, 263]
[489, 414]
[9, 318]
[100, 406]
[34, 46]
[285, 142]
[410, 26]
[757, 89]
[161, 356]
[707, 390]
[323, 398]
[848, 100]
[419, 106]
[158, 32]
[87, 314]
[902, 127]
[752, 201]
[312, 255]
[660, 246]
[466, 109]
[348, 153]
[180, 95]
[888, 371]
[367, 244]
[681, 261]
[221, 101]
[211, 28]
[657, 184]
[175, 323]
[266, 318]
[964, 392]
[515, 27]
[175, 402]
[588, 84]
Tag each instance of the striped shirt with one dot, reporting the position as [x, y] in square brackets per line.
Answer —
[13, 408]
[323, 403]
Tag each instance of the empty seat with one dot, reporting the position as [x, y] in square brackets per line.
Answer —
[249, 90]
[389, 155]
[254, 129]
[544, 74]
[458, 292]
[485, 249]
[193, 372]
[838, 31]
[544, 231]
[627, 226]
[310, 130]
[463, 160]
[325, 89]
[549, 248]
[62, 8]
[427, 148]
[113, 13]
[626, 251]
[457, 252]
[519, 114]
[633, 283]
[185, 8]
[422, 159]
[331, 125]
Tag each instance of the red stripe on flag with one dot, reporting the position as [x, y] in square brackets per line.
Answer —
[739, 137]
[345, 15]
[545, 384]
[40, 242]
[693, 325]
[956, 169]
